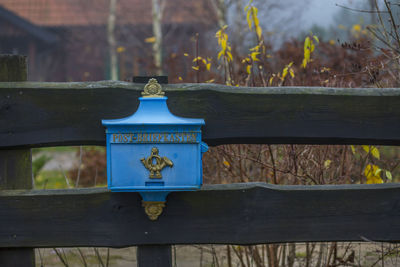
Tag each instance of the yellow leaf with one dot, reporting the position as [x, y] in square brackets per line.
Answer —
[304, 64]
[186, 54]
[195, 67]
[150, 39]
[246, 60]
[353, 149]
[223, 44]
[254, 56]
[312, 47]
[120, 49]
[327, 163]
[210, 81]
[388, 175]
[325, 69]
[208, 66]
[256, 48]
[284, 73]
[369, 170]
[226, 163]
[307, 43]
[248, 69]
[180, 78]
[197, 58]
[375, 180]
[255, 17]
[357, 27]
[259, 31]
[331, 42]
[307, 55]
[373, 150]
[316, 39]
[220, 54]
[271, 80]
[249, 21]
[291, 73]
[372, 173]
[229, 56]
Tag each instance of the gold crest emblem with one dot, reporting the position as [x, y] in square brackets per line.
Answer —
[152, 89]
[154, 163]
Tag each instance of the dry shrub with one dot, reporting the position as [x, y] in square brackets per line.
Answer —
[92, 170]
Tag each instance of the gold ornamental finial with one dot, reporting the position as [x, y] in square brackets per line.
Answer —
[153, 209]
[152, 89]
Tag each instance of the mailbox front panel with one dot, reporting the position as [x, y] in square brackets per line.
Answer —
[154, 152]
[175, 166]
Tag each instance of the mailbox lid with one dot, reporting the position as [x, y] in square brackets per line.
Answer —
[152, 111]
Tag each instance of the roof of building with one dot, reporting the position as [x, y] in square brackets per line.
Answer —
[95, 12]
[24, 25]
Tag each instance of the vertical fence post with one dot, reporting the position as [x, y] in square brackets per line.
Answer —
[153, 255]
[16, 164]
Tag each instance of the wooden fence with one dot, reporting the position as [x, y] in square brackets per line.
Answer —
[55, 114]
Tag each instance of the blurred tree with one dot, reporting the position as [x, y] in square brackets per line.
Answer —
[221, 7]
[111, 41]
[158, 7]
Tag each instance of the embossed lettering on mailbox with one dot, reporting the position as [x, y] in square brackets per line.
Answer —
[154, 152]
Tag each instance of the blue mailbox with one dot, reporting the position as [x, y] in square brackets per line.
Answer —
[154, 152]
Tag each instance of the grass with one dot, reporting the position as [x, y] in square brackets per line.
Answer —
[50, 180]
[62, 149]
[55, 179]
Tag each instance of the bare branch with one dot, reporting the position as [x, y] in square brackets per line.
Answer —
[361, 10]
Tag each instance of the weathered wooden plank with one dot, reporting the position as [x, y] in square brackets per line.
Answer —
[13, 68]
[217, 214]
[15, 169]
[17, 257]
[38, 114]
[15, 165]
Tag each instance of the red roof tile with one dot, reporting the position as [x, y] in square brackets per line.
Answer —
[95, 12]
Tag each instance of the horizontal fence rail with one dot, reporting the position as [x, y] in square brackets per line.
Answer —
[217, 214]
[52, 114]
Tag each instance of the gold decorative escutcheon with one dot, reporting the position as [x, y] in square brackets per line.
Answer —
[153, 209]
[159, 164]
[152, 89]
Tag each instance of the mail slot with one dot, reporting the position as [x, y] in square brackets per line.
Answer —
[154, 152]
